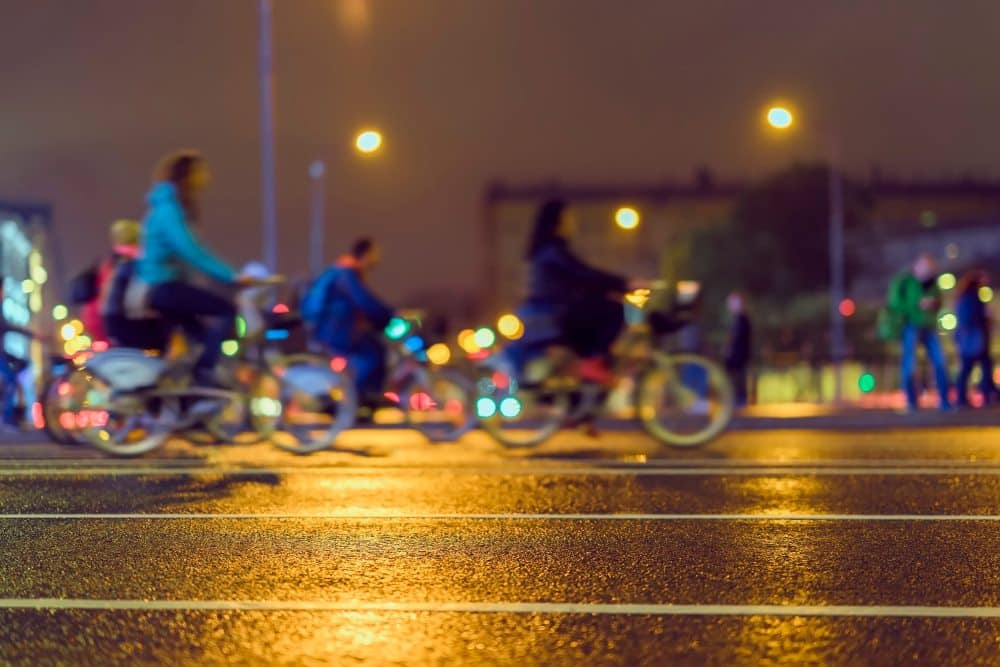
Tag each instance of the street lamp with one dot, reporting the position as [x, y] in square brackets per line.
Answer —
[780, 118]
[367, 142]
[627, 218]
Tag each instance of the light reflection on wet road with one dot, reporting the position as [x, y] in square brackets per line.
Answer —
[469, 524]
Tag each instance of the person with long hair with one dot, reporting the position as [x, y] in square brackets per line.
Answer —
[581, 306]
[972, 337]
[171, 248]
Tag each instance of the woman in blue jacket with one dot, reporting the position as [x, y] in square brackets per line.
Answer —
[972, 337]
[170, 249]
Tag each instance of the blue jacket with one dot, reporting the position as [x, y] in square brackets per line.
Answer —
[350, 311]
[971, 334]
[169, 246]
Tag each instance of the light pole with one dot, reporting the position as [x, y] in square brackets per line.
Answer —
[269, 239]
[366, 142]
[781, 118]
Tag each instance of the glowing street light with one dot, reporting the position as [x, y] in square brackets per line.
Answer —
[627, 217]
[368, 141]
[779, 118]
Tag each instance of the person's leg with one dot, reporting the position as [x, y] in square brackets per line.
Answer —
[738, 378]
[936, 356]
[986, 384]
[366, 360]
[962, 381]
[593, 325]
[203, 315]
[908, 365]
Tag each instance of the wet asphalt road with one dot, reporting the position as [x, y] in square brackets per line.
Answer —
[764, 548]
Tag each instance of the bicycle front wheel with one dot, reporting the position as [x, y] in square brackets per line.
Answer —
[519, 416]
[684, 400]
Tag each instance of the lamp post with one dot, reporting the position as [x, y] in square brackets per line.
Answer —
[781, 118]
[269, 241]
[367, 143]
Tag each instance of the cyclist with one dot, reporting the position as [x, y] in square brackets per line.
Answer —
[347, 318]
[124, 247]
[569, 302]
[170, 248]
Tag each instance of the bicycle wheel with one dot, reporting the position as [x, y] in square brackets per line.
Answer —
[439, 404]
[303, 405]
[517, 415]
[130, 424]
[684, 400]
[62, 400]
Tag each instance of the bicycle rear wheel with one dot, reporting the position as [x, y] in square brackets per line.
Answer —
[63, 409]
[130, 424]
[440, 404]
[303, 405]
[517, 415]
[684, 400]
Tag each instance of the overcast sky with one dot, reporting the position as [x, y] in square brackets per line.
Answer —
[94, 91]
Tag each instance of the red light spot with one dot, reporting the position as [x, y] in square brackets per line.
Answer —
[82, 420]
[36, 415]
[501, 380]
[338, 364]
[477, 356]
[280, 309]
[453, 406]
[422, 401]
[392, 396]
[99, 346]
[64, 389]
[67, 420]
[847, 307]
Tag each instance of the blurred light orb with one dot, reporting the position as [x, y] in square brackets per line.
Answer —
[510, 326]
[510, 407]
[439, 354]
[467, 341]
[627, 217]
[866, 383]
[368, 141]
[847, 308]
[985, 294]
[946, 281]
[484, 338]
[67, 332]
[60, 313]
[230, 348]
[949, 321]
[486, 407]
[397, 328]
[779, 118]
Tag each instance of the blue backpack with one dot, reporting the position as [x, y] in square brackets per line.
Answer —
[316, 301]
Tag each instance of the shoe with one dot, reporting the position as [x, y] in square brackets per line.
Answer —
[595, 370]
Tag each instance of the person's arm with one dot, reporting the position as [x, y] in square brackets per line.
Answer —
[185, 245]
[587, 277]
[374, 309]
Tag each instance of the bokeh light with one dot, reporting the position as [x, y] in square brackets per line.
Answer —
[779, 117]
[985, 294]
[510, 407]
[510, 326]
[847, 308]
[397, 328]
[67, 332]
[486, 407]
[439, 354]
[484, 338]
[866, 383]
[230, 348]
[60, 313]
[946, 281]
[368, 141]
[948, 321]
[627, 217]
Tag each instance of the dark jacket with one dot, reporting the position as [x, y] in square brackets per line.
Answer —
[350, 311]
[972, 331]
[739, 349]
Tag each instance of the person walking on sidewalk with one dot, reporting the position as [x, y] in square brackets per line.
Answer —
[972, 338]
[738, 350]
[916, 299]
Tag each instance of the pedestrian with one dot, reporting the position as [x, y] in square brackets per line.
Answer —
[972, 337]
[915, 299]
[738, 350]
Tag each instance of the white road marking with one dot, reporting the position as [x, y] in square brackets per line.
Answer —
[596, 471]
[866, 611]
[388, 515]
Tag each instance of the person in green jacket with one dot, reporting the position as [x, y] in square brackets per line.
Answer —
[915, 298]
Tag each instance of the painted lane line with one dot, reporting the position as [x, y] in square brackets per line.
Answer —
[388, 516]
[743, 471]
[865, 611]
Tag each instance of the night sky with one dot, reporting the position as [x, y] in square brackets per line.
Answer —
[94, 91]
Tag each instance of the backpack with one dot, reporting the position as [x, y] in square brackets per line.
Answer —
[890, 321]
[83, 288]
[316, 301]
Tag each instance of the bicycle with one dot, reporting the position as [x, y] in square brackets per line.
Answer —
[681, 399]
[297, 401]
